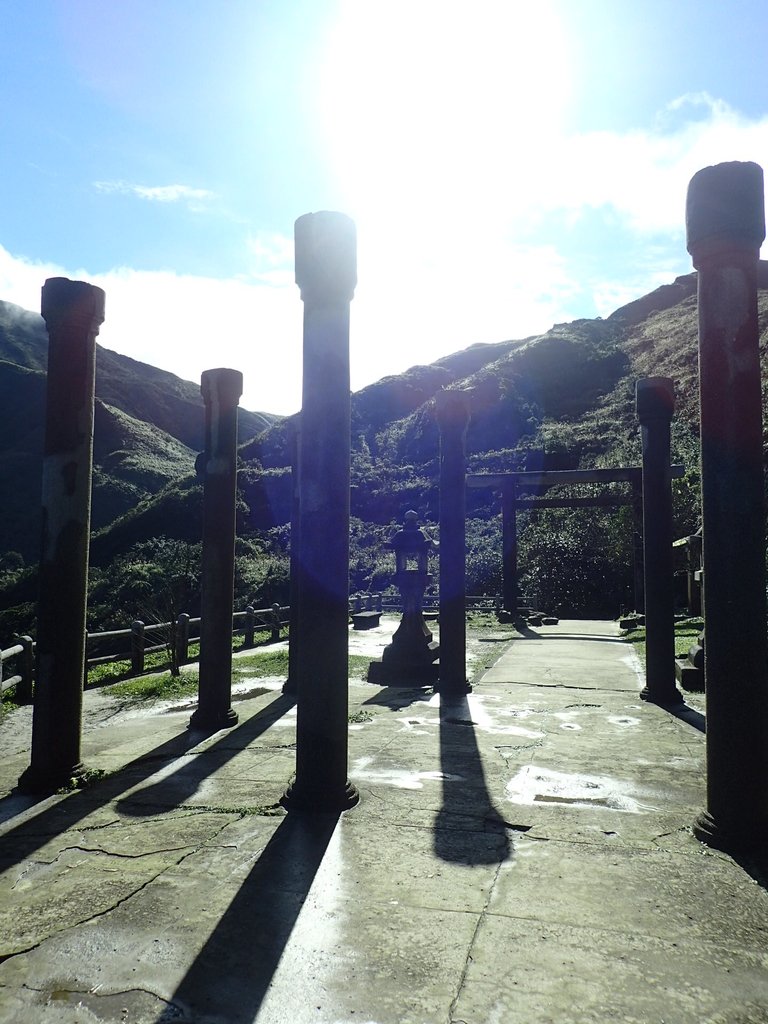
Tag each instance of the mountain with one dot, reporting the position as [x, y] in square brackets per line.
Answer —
[561, 399]
[148, 429]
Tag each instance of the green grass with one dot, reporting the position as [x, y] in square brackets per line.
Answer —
[686, 634]
[8, 702]
[258, 665]
[160, 686]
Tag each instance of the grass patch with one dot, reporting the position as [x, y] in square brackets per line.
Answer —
[84, 780]
[264, 810]
[358, 666]
[8, 702]
[686, 634]
[360, 716]
[260, 664]
[161, 686]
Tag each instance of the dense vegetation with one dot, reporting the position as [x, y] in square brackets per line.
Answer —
[561, 400]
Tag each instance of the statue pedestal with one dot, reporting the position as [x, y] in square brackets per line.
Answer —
[411, 658]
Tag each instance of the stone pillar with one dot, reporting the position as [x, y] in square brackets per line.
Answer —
[291, 685]
[326, 273]
[655, 404]
[510, 586]
[725, 222]
[452, 418]
[73, 312]
[221, 393]
[638, 587]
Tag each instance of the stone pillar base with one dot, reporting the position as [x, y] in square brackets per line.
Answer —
[212, 721]
[450, 688]
[392, 672]
[731, 840]
[319, 799]
[37, 783]
[672, 699]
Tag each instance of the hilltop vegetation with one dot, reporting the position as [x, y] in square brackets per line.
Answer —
[560, 400]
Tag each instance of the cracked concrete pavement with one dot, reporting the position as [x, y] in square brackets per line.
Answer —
[523, 854]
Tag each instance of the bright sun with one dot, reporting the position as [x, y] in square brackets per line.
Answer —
[428, 105]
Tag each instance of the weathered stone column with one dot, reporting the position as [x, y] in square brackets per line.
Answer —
[73, 312]
[638, 584]
[291, 685]
[510, 586]
[221, 390]
[326, 273]
[725, 222]
[452, 418]
[655, 404]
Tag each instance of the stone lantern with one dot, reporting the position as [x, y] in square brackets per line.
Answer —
[411, 658]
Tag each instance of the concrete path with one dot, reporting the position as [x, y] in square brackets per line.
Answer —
[521, 855]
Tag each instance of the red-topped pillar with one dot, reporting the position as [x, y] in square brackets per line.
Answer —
[725, 221]
[73, 312]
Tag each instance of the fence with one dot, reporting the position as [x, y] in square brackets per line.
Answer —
[143, 638]
[140, 639]
[430, 602]
[22, 654]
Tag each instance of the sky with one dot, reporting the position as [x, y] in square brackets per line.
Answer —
[509, 164]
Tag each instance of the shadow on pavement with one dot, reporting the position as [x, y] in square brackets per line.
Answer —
[230, 976]
[690, 716]
[172, 790]
[465, 794]
[23, 839]
[397, 697]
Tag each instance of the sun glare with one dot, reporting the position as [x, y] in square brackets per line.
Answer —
[428, 106]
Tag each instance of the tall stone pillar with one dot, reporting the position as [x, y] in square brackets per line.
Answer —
[326, 273]
[510, 586]
[221, 393]
[73, 312]
[453, 418]
[655, 404]
[638, 584]
[291, 685]
[725, 222]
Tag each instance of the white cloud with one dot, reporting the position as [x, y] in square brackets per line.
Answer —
[439, 269]
[187, 324]
[156, 193]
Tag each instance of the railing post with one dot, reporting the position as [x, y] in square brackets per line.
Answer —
[275, 633]
[250, 626]
[138, 641]
[73, 312]
[26, 671]
[182, 639]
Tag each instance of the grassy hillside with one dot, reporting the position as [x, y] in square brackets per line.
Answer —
[562, 399]
[148, 427]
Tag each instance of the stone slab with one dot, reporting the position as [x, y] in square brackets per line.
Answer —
[521, 854]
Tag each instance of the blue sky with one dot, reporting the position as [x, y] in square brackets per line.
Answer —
[509, 164]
